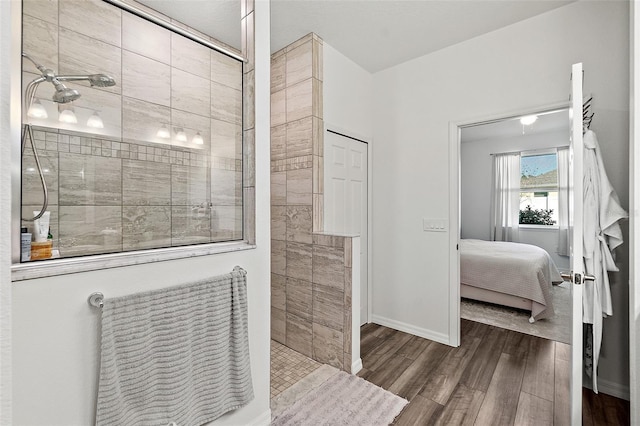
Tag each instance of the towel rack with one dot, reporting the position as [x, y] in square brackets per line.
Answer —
[96, 299]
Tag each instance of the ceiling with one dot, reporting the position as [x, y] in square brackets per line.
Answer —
[218, 18]
[512, 128]
[376, 34]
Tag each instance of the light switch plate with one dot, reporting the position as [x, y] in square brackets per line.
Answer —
[435, 225]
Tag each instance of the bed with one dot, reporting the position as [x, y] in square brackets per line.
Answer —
[510, 274]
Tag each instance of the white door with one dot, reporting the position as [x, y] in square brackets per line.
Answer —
[345, 198]
[575, 208]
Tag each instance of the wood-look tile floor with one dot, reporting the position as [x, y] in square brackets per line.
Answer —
[603, 409]
[495, 377]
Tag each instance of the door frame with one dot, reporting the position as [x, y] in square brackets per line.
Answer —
[367, 141]
[454, 201]
[634, 201]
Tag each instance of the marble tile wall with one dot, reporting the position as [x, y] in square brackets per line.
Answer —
[226, 77]
[123, 187]
[107, 196]
[310, 280]
[162, 78]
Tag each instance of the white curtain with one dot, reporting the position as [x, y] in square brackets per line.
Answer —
[563, 202]
[505, 197]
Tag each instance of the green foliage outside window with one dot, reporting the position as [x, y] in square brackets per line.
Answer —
[529, 216]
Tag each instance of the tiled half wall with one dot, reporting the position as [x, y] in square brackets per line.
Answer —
[311, 281]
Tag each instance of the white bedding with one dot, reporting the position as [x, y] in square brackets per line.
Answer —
[521, 270]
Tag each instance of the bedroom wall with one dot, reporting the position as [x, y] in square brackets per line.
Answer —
[475, 186]
[519, 67]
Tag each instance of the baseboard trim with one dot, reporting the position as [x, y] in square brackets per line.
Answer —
[411, 329]
[610, 388]
[356, 366]
[263, 420]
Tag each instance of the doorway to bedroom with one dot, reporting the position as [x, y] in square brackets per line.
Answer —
[514, 224]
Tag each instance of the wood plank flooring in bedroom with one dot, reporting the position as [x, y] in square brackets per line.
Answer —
[495, 377]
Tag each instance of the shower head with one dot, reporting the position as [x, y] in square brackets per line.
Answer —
[63, 94]
[101, 80]
[97, 80]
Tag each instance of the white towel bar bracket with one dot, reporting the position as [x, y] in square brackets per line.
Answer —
[96, 300]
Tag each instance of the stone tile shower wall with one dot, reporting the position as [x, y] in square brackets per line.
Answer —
[127, 189]
[247, 25]
[110, 196]
[311, 272]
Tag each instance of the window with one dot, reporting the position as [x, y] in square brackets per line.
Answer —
[539, 189]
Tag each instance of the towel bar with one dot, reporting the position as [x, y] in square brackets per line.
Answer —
[97, 299]
[136, 365]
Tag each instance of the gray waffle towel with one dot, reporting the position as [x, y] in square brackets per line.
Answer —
[179, 354]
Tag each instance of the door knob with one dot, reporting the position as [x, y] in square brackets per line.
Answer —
[576, 278]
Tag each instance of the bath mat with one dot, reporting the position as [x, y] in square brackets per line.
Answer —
[343, 400]
[297, 391]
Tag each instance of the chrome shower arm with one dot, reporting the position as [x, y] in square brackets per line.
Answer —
[73, 77]
[40, 67]
[47, 73]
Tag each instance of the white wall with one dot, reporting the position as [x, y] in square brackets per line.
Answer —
[347, 95]
[9, 131]
[348, 108]
[56, 333]
[519, 67]
[475, 186]
[634, 178]
[548, 240]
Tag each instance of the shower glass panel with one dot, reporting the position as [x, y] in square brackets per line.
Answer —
[152, 161]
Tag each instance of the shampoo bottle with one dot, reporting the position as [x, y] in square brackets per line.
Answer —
[25, 245]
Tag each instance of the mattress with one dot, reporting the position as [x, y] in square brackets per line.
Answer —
[516, 269]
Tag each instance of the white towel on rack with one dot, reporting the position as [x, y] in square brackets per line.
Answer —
[178, 355]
